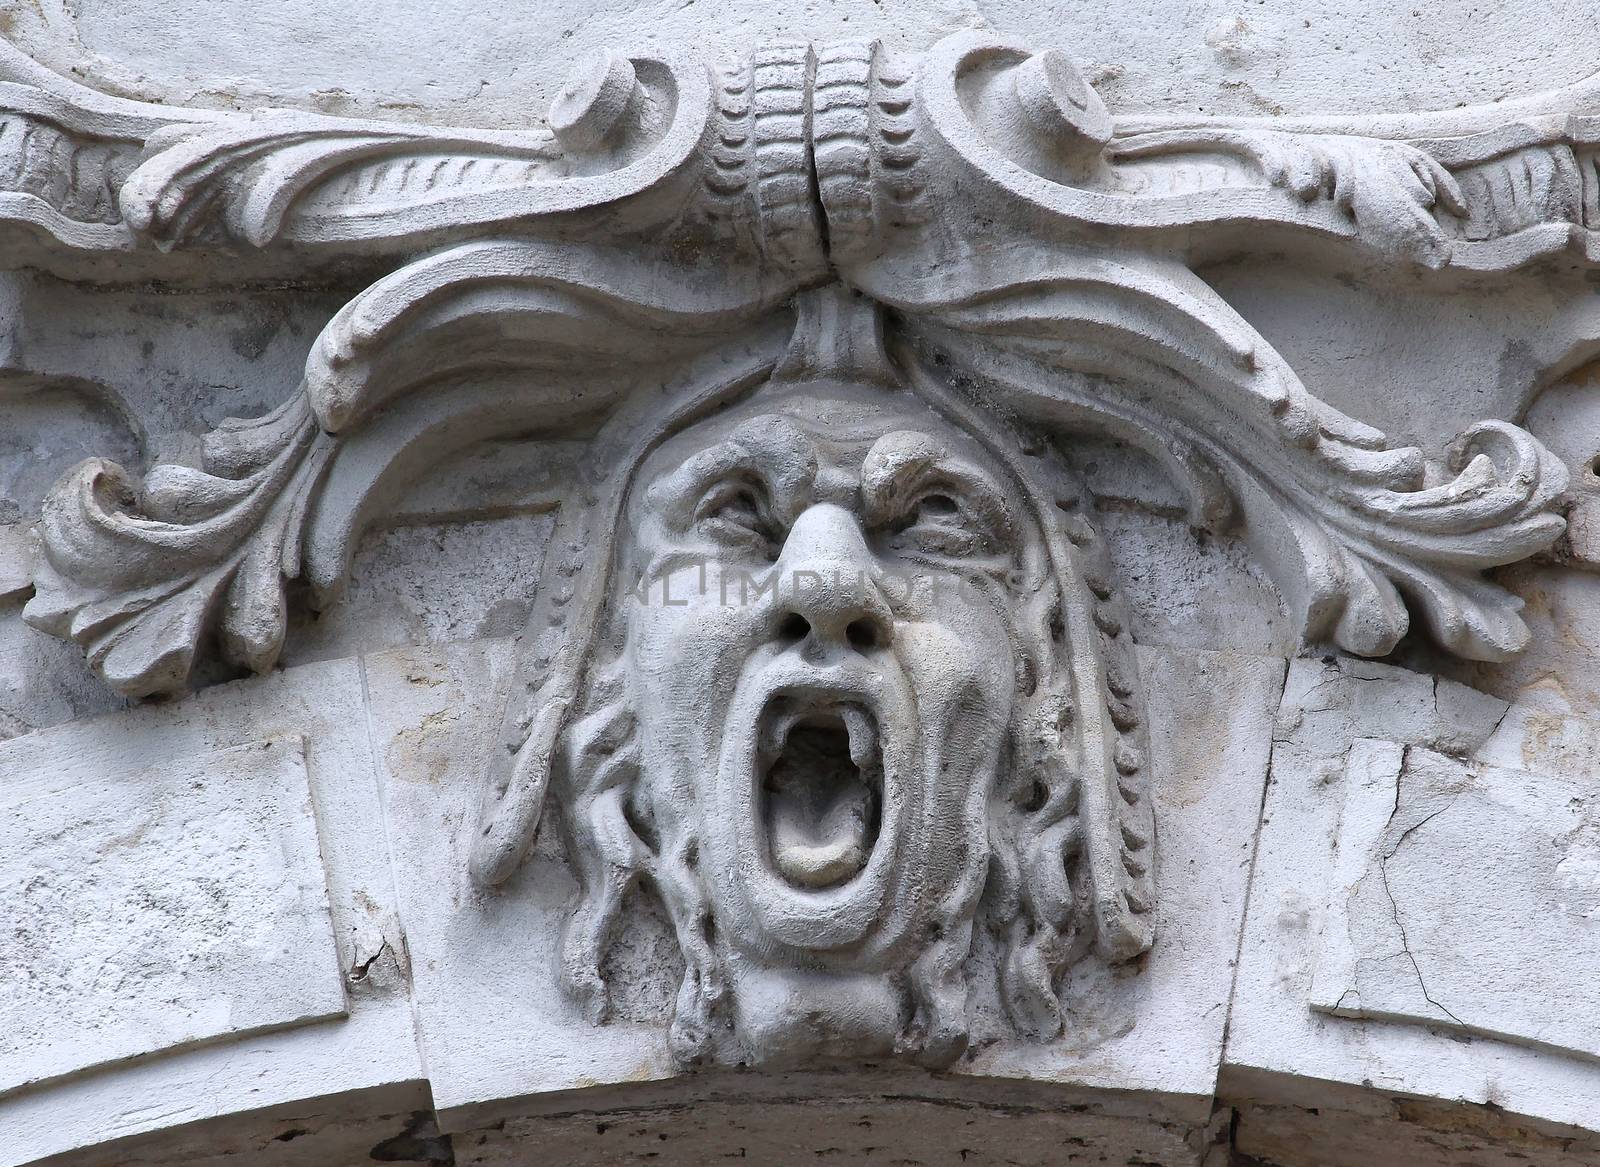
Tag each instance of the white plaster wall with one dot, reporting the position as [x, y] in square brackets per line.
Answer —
[499, 64]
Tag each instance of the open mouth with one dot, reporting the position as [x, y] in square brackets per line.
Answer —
[821, 791]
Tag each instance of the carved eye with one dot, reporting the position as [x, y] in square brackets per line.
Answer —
[735, 511]
[937, 524]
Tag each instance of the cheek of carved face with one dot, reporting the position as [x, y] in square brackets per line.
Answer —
[685, 652]
[823, 675]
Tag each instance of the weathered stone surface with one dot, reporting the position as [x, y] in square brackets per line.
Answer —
[1464, 895]
[388, 1124]
[846, 1118]
[1337, 802]
[818, 564]
[476, 956]
[157, 909]
[1211, 717]
[114, 762]
[430, 582]
[1536, 735]
[1344, 1127]
[452, 61]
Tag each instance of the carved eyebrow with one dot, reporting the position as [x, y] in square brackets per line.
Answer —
[770, 450]
[903, 464]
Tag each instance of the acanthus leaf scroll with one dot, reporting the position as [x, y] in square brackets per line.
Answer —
[675, 269]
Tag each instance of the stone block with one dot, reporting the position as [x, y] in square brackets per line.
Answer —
[1464, 896]
[1490, 874]
[1044, 374]
[1154, 1034]
[1539, 738]
[232, 998]
[492, 1021]
[1160, 1030]
[190, 893]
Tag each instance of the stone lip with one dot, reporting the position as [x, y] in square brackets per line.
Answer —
[764, 910]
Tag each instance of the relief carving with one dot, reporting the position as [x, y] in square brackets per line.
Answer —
[820, 315]
[859, 684]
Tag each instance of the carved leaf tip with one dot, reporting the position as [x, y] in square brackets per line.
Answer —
[141, 574]
[1348, 526]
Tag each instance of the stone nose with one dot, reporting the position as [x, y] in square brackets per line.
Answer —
[828, 593]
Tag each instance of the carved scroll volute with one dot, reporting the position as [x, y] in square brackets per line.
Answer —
[1454, 188]
[107, 175]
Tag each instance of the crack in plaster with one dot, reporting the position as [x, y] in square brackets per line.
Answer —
[1394, 907]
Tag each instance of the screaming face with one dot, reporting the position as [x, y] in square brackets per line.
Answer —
[835, 722]
[819, 657]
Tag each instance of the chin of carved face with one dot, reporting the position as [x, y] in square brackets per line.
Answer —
[843, 834]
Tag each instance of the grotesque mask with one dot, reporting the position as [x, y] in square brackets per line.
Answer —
[820, 658]
[857, 707]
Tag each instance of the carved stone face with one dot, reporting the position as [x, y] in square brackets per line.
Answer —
[819, 652]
